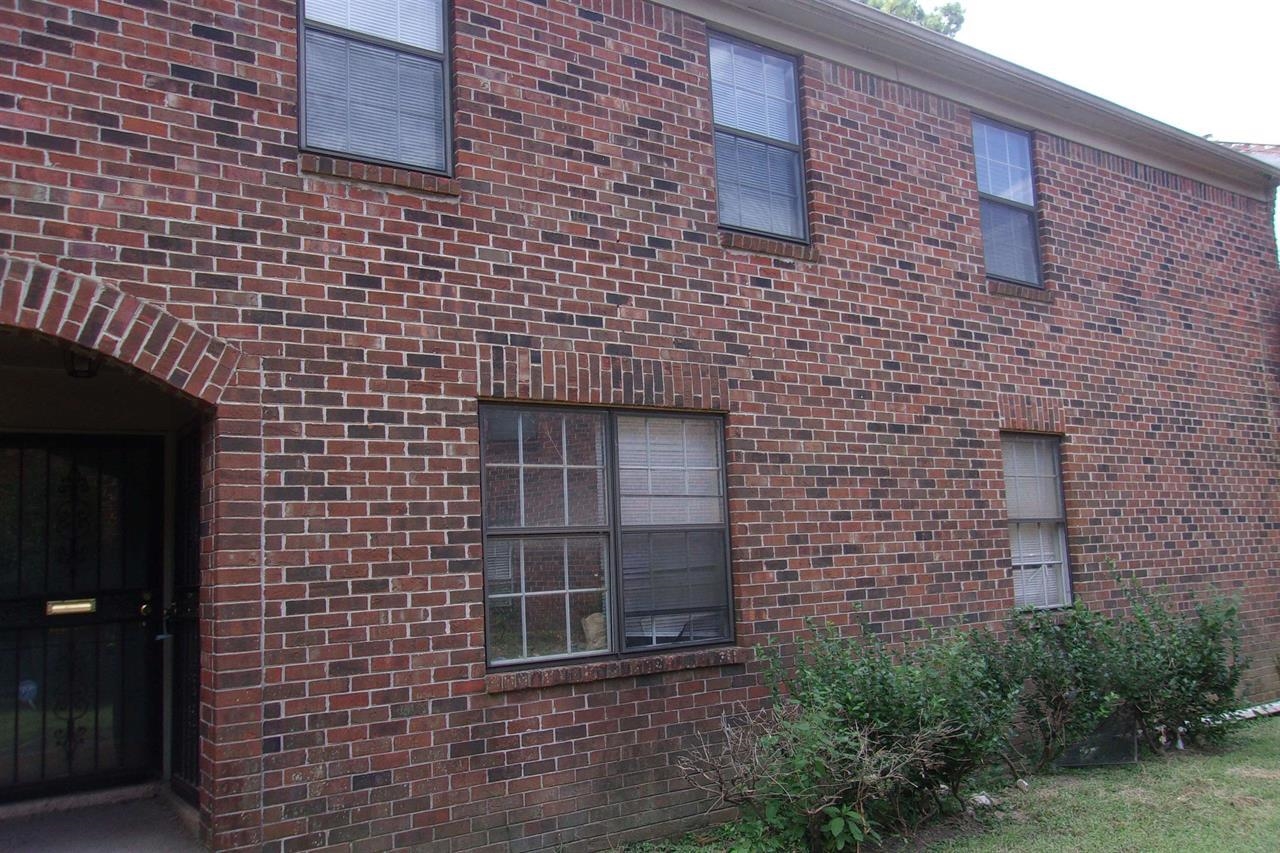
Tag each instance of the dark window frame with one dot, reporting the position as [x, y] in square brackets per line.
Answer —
[1066, 580]
[798, 147]
[1033, 208]
[613, 529]
[446, 82]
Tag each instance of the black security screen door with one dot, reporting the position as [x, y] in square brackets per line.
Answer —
[183, 624]
[81, 547]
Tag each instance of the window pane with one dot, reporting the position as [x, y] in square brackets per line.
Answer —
[1039, 586]
[413, 22]
[373, 77]
[1009, 242]
[544, 563]
[588, 621]
[504, 622]
[1029, 586]
[544, 494]
[753, 90]
[501, 436]
[530, 581]
[1031, 477]
[542, 438]
[586, 497]
[373, 102]
[657, 484]
[588, 562]
[1034, 544]
[502, 496]
[547, 619]
[1003, 158]
[420, 94]
[584, 439]
[502, 567]
[532, 486]
[668, 580]
[759, 186]
[326, 91]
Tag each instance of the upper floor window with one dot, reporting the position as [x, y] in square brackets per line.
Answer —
[757, 129]
[1007, 189]
[603, 532]
[1037, 522]
[374, 81]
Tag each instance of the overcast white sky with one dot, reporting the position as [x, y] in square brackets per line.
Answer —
[1208, 67]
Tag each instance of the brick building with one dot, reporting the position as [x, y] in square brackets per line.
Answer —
[415, 413]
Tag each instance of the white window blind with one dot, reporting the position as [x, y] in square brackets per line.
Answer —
[374, 81]
[1037, 523]
[1006, 183]
[754, 100]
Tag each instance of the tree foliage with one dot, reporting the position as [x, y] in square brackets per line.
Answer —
[946, 19]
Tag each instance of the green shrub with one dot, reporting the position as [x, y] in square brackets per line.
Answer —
[949, 685]
[802, 780]
[860, 736]
[964, 686]
[1064, 662]
[1179, 672]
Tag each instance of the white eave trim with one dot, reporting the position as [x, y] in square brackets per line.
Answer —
[858, 36]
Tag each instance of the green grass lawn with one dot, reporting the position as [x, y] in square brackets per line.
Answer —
[1225, 801]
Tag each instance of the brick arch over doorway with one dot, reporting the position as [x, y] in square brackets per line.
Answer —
[98, 316]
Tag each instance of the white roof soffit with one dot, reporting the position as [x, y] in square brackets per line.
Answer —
[854, 34]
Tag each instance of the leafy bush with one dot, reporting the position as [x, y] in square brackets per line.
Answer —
[802, 779]
[964, 686]
[1064, 662]
[949, 685]
[1179, 672]
[860, 736]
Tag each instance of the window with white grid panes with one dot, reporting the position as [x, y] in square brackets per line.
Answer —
[604, 532]
[1037, 522]
[755, 105]
[1006, 187]
[375, 81]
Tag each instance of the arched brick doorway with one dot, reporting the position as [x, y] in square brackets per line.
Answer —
[108, 489]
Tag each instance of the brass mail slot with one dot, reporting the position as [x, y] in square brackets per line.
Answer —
[70, 606]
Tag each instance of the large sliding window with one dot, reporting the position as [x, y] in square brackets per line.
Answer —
[603, 532]
[375, 81]
[1037, 522]
[1006, 187]
[757, 131]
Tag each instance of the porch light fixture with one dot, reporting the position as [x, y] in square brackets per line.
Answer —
[78, 365]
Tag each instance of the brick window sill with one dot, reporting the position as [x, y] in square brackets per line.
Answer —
[371, 173]
[581, 673]
[767, 246]
[998, 287]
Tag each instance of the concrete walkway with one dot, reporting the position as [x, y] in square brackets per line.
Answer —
[150, 825]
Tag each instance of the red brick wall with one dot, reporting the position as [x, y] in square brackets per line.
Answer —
[575, 257]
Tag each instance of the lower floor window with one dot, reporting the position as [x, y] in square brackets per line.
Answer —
[1037, 522]
[603, 532]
